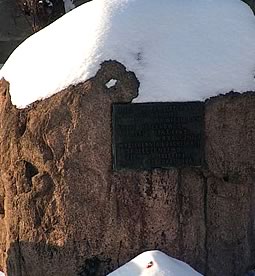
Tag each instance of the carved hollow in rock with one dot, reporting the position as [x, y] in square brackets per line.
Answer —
[30, 170]
[22, 126]
[90, 267]
[111, 83]
[1, 205]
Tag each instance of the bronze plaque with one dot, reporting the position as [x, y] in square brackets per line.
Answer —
[158, 135]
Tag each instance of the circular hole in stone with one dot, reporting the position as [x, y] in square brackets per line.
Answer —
[111, 83]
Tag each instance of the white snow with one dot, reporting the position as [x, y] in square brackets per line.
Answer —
[179, 50]
[155, 263]
[111, 83]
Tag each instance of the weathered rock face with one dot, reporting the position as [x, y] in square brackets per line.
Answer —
[63, 211]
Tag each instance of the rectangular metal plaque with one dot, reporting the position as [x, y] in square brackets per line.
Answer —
[158, 135]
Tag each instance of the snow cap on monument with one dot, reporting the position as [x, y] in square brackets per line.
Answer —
[179, 50]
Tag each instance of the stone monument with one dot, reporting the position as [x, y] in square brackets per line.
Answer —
[64, 210]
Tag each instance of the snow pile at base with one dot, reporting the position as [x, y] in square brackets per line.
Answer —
[179, 50]
[155, 263]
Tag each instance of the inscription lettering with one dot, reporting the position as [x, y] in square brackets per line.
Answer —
[158, 135]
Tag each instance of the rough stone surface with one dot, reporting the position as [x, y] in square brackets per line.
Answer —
[63, 211]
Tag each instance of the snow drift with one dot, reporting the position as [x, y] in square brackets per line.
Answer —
[179, 50]
[155, 263]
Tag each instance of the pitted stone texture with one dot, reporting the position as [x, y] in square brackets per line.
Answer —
[63, 211]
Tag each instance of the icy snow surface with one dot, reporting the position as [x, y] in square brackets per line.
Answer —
[111, 83]
[155, 263]
[179, 50]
